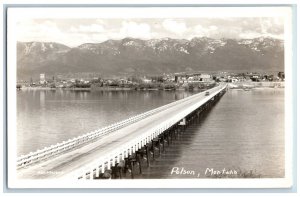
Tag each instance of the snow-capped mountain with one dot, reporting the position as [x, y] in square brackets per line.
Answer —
[262, 44]
[28, 48]
[154, 56]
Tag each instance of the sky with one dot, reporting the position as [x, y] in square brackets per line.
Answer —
[74, 32]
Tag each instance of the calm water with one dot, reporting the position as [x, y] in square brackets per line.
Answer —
[46, 117]
[244, 130]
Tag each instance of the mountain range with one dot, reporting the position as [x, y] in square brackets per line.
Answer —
[131, 56]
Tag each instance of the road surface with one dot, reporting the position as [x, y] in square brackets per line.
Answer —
[68, 162]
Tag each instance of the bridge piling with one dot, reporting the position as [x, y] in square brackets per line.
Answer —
[157, 144]
[153, 140]
[147, 154]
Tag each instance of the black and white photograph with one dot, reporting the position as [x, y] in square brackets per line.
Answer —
[149, 97]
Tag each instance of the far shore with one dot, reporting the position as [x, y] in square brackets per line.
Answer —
[235, 85]
[103, 89]
[94, 89]
[267, 84]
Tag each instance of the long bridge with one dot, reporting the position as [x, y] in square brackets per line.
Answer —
[120, 145]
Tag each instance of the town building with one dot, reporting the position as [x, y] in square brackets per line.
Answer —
[205, 77]
[42, 78]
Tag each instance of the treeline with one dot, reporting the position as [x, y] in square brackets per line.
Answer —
[80, 85]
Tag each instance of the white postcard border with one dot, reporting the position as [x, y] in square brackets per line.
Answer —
[15, 14]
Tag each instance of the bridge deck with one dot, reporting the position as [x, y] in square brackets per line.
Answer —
[70, 161]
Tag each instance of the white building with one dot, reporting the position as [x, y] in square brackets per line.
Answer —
[205, 77]
[42, 78]
[147, 80]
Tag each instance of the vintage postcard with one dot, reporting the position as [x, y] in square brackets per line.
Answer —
[149, 97]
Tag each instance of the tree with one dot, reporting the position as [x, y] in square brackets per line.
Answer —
[281, 75]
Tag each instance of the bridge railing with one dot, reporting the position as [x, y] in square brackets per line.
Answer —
[109, 159]
[70, 144]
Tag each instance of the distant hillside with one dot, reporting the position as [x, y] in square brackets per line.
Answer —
[156, 56]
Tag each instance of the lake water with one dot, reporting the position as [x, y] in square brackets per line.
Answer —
[46, 117]
[244, 130]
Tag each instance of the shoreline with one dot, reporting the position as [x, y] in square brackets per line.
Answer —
[102, 89]
[236, 85]
[251, 85]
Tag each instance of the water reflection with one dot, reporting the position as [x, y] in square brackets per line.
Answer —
[42, 99]
[245, 130]
[45, 117]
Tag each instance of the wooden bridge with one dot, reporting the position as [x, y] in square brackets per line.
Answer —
[119, 146]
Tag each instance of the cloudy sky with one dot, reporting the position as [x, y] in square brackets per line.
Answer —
[73, 32]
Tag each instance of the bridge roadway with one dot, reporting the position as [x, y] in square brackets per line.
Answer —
[64, 164]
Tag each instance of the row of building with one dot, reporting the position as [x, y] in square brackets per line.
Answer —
[179, 79]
